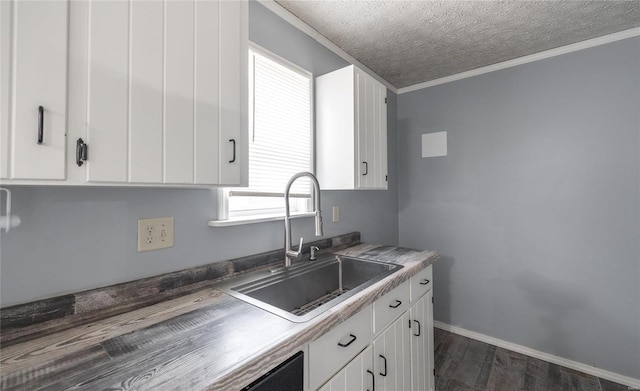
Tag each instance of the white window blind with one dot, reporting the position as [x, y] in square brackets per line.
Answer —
[280, 137]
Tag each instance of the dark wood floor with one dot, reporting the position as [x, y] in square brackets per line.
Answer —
[464, 364]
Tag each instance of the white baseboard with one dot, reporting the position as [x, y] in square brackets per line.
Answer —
[591, 370]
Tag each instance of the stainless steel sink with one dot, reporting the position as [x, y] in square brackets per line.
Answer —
[301, 292]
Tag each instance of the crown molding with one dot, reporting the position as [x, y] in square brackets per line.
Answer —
[321, 39]
[526, 59]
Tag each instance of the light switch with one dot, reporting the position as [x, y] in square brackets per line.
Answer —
[434, 144]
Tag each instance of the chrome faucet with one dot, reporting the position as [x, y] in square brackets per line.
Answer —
[289, 254]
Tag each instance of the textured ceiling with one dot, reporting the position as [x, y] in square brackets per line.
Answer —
[409, 42]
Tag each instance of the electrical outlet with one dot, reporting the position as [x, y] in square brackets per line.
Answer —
[336, 214]
[155, 234]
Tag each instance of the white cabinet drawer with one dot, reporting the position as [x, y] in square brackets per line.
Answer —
[421, 283]
[333, 350]
[387, 308]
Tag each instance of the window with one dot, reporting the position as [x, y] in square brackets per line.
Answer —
[280, 139]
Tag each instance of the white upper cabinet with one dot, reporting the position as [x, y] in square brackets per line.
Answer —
[351, 130]
[166, 92]
[157, 90]
[33, 101]
[233, 73]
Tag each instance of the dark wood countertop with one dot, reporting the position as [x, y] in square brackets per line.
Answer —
[204, 340]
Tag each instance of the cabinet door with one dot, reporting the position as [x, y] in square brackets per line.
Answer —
[431, 346]
[371, 132]
[179, 104]
[5, 80]
[363, 117]
[107, 120]
[233, 71]
[34, 112]
[392, 356]
[357, 375]
[336, 142]
[221, 90]
[421, 318]
[166, 91]
[380, 101]
[146, 91]
[207, 98]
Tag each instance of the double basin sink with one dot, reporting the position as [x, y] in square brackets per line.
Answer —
[304, 291]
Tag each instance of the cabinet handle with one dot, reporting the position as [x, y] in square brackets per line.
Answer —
[385, 365]
[417, 335]
[342, 345]
[396, 304]
[231, 140]
[373, 380]
[40, 124]
[366, 168]
[424, 282]
[81, 152]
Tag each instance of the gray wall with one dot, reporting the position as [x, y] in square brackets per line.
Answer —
[79, 238]
[536, 208]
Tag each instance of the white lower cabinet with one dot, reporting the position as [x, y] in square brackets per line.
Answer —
[357, 375]
[337, 347]
[392, 356]
[421, 334]
[398, 358]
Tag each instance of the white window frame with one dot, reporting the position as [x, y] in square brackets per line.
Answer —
[246, 217]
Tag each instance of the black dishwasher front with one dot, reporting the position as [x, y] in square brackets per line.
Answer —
[287, 376]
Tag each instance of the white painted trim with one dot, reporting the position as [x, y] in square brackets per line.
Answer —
[264, 52]
[321, 39]
[591, 370]
[526, 59]
[259, 219]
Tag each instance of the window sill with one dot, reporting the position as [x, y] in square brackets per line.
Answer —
[254, 219]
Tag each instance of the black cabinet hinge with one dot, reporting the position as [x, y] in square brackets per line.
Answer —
[386, 178]
[385, 100]
[434, 371]
[82, 152]
[432, 300]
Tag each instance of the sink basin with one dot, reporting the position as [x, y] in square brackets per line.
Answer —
[303, 292]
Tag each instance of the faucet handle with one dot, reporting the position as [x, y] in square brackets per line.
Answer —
[290, 254]
[300, 247]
